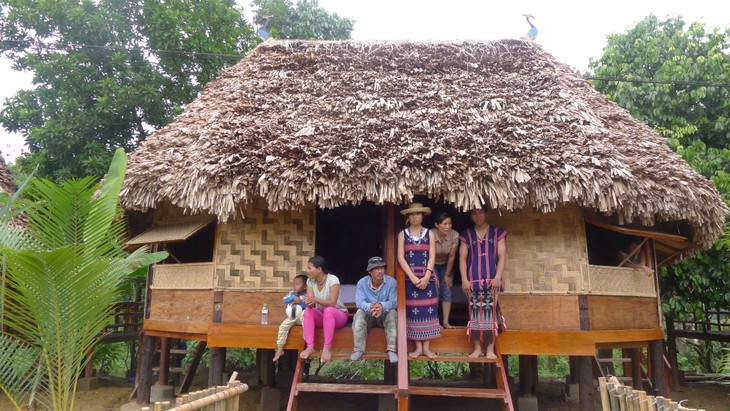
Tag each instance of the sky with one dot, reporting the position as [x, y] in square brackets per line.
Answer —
[572, 31]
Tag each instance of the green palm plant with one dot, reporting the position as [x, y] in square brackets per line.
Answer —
[62, 276]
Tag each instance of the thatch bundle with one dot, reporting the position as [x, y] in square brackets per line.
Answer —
[331, 123]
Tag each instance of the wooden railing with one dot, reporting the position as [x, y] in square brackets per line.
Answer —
[714, 326]
[618, 397]
[126, 324]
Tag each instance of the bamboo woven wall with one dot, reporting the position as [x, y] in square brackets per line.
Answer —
[620, 281]
[266, 250]
[189, 276]
[546, 253]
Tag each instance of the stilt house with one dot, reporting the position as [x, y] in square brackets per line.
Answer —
[309, 148]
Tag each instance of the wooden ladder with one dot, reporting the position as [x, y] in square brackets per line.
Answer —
[501, 392]
[403, 389]
[298, 385]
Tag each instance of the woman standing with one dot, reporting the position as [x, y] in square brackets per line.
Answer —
[324, 307]
[447, 243]
[416, 257]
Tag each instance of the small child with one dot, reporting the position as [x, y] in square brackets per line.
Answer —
[293, 301]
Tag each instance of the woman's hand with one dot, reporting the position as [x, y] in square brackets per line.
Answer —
[449, 280]
[309, 300]
[496, 283]
[467, 288]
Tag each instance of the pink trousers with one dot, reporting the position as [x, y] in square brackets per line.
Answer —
[329, 320]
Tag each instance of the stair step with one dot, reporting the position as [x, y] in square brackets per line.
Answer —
[347, 388]
[343, 355]
[181, 351]
[171, 370]
[457, 392]
[613, 359]
[457, 358]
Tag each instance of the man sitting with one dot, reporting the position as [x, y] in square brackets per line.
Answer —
[376, 300]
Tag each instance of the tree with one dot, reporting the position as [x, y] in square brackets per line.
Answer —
[303, 20]
[108, 72]
[681, 88]
[687, 100]
[61, 277]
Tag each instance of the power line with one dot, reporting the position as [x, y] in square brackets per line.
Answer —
[653, 81]
[74, 47]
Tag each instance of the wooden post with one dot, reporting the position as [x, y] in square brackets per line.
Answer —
[672, 352]
[144, 378]
[217, 354]
[164, 375]
[656, 358]
[635, 355]
[585, 383]
[527, 384]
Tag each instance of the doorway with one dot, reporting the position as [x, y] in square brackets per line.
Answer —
[347, 236]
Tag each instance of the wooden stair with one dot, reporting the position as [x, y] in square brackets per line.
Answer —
[452, 347]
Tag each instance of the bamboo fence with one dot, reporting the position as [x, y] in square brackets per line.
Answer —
[220, 398]
[618, 397]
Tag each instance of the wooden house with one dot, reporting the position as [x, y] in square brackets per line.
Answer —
[309, 148]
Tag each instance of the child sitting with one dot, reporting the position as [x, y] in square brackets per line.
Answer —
[295, 306]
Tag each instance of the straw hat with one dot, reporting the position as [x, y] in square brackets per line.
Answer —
[416, 208]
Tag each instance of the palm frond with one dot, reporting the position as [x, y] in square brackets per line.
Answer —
[21, 371]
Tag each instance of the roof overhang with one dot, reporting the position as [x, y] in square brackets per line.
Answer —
[666, 246]
[171, 232]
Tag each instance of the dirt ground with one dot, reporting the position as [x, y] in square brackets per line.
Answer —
[115, 393]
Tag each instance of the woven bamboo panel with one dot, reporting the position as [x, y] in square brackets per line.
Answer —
[265, 250]
[620, 281]
[184, 276]
[546, 253]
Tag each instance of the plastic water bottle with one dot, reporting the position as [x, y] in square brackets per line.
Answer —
[265, 314]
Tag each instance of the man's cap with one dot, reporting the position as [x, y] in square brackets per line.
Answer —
[375, 262]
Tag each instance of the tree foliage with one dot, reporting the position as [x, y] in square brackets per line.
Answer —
[108, 72]
[61, 276]
[688, 102]
[302, 20]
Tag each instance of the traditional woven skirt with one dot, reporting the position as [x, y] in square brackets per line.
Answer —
[422, 320]
[485, 317]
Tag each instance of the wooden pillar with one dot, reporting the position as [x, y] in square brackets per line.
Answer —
[528, 368]
[217, 366]
[635, 355]
[144, 377]
[217, 354]
[164, 375]
[585, 383]
[89, 368]
[574, 364]
[672, 352]
[656, 360]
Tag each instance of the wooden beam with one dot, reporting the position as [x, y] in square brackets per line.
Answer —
[179, 327]
[656, 360]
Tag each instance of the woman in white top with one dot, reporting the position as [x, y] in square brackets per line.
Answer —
[324, 307]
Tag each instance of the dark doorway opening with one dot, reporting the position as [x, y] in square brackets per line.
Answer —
[347, 236]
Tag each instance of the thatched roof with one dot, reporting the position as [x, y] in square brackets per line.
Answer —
[331, 123]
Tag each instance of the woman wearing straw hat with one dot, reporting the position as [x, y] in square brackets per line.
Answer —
[416, 256]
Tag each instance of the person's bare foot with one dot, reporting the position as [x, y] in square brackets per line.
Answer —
[326, 355]
[279, 353]
[491, 356]
[415, 354]
[447, 325]
[306, 353]
[476, 353]
[429, 354]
